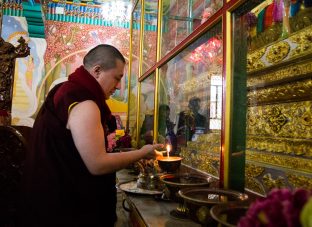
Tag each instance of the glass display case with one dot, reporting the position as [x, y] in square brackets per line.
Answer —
[233, 90]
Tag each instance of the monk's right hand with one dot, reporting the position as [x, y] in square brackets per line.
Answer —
[151, 152]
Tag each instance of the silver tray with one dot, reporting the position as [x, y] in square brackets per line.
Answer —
[131, 187]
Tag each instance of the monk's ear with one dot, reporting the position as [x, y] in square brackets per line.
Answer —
[96, 70]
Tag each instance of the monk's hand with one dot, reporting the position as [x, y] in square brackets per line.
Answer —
[151, 150]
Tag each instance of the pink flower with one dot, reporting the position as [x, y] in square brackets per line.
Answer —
[281, 208]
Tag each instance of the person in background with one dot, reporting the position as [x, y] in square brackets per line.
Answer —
[69, 177]
[191, 120]
[166, 128]
[166, 133]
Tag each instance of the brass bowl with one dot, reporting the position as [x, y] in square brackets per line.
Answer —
[169, 164]
[199, 201]
[174, 182]
[228, 214]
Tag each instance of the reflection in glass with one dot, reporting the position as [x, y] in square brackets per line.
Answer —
[191, 85]
[150, 34]
[182, 17]
[136, 17]
[147, 110]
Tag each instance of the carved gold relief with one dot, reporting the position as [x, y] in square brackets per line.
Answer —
[298, 114]
[254, 185]
[251, 173]
[270, 183]
[303, 41]
[288, 162]
[281, 50]
[253, 170]
[290, 91]
[275, 119]
[209, 142]
[307, 119]
[277, 52]
[296, 147]
[253, 60]
[298, 181]
[208, 163]
[281, 74]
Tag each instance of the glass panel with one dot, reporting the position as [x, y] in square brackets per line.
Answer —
[182, 17]
[191, 86]
[274, 39]
[150, 34]
[134, 71]
[147, 110]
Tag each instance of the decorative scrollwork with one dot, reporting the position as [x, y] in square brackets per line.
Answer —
[253, 60]
[270, 183]
[290, 71]
[278, 52]
[275, 160]
[276, 119]
[298, 181]
[303, 41]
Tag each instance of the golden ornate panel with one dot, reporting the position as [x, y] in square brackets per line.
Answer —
[279, 114]
[204, 153]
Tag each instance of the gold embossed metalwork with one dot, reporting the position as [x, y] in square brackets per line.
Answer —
[287, 72]
[307, 119]
[299, 181]
[303, 41]
[287, 146]
[200, 82]
[210, 142]
[202, 160]
[277, 52]
[254, 61]
[287, 92]
[279, 112]
[254, 185]
[275, 119]
[252, 170]
[270, 183]
[303, 19]
[278, 161]
[296, 128]
[251, 173]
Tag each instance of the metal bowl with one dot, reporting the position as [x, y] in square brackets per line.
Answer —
[169, 164]
[198, 202]
[175, 182]
[228, 214]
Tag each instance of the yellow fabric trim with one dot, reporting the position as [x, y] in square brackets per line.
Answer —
[71, 106]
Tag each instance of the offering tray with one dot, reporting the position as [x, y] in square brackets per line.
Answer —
[131, 187]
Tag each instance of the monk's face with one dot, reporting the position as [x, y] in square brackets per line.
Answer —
[110, 79]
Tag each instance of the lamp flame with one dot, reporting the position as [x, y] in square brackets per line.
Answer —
[168, 149]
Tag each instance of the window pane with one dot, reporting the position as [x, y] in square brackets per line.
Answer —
[182, 17]
[186, 84]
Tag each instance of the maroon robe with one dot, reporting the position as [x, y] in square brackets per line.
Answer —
[58, 189]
